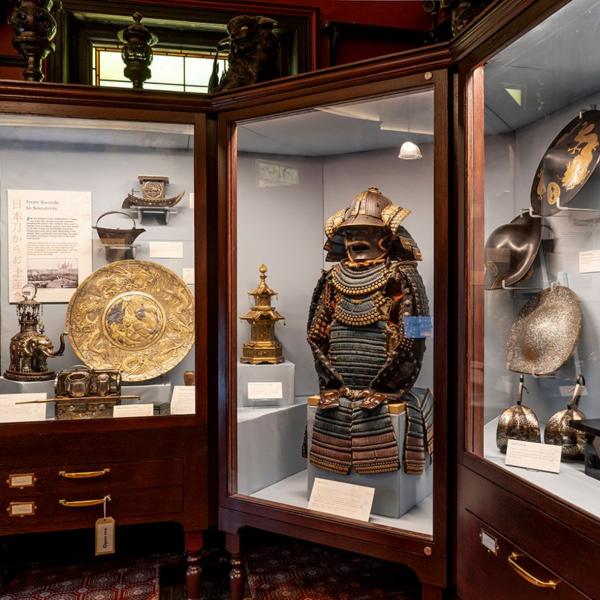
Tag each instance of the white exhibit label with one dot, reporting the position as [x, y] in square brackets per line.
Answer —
[11, 411]
[50, 242]
[192, 200]
[188, 276]
[133, 410]
[531, 455]
[166, 249]
[265, 390]
[342, 499]
[183, 400]
[589, 261]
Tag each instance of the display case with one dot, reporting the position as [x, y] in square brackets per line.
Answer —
[333, 314]
[528, 131]
[103, 242]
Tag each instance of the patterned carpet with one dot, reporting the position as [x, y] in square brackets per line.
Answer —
[299, 571]
[135, 582]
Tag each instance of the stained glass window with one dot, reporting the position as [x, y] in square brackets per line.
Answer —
[174, 70]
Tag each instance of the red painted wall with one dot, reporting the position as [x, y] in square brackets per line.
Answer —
[403, 13]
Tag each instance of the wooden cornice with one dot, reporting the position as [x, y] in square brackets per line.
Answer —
[428, 58]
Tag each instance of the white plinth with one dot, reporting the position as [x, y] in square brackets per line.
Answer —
[282, 373]
[395, 493]
[158, 394]
[7, 386]
[269, 445]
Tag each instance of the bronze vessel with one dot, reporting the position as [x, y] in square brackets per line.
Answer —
[114, 236]
[518, 422]
[30, 348]
[559, 432]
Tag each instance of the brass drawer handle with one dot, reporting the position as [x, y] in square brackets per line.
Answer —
[528, 577]
[83, 474]
[84, 503]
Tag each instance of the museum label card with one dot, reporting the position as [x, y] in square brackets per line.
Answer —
[166, 249]
[342, 499]
[183, 401]
[13, 412]
[418, 327]
[50, 243]
[589, 261]
[531, 455]
[188, 276]
[105, 536]
[265, 390]
[133, 410]
[192, 200]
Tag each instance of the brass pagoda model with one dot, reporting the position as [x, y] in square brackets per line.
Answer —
[263, 346]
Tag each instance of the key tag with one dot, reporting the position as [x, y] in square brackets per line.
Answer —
[105, 532]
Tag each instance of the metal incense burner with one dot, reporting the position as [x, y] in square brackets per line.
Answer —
[30, 348]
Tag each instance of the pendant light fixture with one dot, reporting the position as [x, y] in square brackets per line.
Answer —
[409, 150]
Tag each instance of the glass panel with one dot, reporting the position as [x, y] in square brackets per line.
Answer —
[96, 220]
[110, 66]
[167, 69]
[536, 317]
[370, 325]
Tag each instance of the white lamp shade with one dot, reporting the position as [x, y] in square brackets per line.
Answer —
[410, 151]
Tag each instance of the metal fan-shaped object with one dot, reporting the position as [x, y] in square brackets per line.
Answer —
[545, 333]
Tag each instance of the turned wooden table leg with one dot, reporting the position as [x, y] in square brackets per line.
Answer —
[431, 592]
[237, 576]
[193, 574]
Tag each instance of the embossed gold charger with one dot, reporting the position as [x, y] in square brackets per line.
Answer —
[133, 315]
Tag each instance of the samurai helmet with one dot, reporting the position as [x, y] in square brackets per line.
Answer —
[370, 208]
[510, 251]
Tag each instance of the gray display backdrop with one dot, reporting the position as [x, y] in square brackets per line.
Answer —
[511, 163]
[109, 170]
[282, 226]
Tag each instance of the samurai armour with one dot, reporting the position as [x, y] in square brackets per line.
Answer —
[356, 332]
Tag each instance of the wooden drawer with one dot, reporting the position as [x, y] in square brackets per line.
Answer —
[543, 536]
[124, 505]
[91, 477]
[487, 572]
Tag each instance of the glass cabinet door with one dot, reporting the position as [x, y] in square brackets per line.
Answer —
[333, 312]
[97, 287]
[534, 268]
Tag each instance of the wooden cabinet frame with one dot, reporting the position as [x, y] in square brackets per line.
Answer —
[478, 478]
[425, 554]
[182, 439]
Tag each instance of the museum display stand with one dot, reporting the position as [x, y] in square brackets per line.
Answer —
[523, 531]
[290, 154]
[56, 474]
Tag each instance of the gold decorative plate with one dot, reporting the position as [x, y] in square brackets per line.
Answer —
[132, 315]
